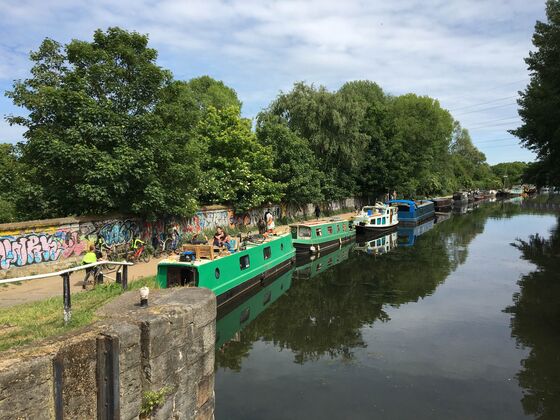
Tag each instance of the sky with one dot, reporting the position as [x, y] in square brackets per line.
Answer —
[466, 53]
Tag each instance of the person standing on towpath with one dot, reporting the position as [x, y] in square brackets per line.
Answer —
[269, 220]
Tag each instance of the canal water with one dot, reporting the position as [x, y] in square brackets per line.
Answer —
[458, 319]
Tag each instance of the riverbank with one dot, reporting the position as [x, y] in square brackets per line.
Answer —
[32, 291]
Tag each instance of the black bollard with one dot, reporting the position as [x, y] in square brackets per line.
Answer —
[66, 296]
[125, 277]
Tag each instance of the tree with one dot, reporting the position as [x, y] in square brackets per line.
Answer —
[512, 170]
[331, 126]
[539, 105]
[296, 168]
[93, 138]
[12, 173]
[237, 168]
[419, 133]
[468, 163]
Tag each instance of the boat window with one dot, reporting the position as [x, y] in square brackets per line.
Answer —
[267, 253]
[384, 220]
[338, 228]
[304, 232]
[404, 208]
[294, 232]
[217, 273]
[244, 262]
[379, 221]
[281, 247]
[318, 232]
[344, 227]
[329, 229]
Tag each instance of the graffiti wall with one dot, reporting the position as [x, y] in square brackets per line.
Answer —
[23, 245]
[55, 242]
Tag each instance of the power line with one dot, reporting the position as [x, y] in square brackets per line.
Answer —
[485, 109]
[497, 124]
[483, 103]
[492, 89]
[483, 142]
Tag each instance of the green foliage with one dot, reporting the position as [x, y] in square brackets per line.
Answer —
[152, 400]
[296, 167]
[11, 179]
[539, 105]
[512, 171]
[108, 130]
[237, 167]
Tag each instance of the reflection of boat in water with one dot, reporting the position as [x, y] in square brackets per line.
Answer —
[379, 245]
[308, 267]
[408, 234]
[238, 313]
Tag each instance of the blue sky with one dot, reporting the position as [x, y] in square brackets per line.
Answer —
[467, 53]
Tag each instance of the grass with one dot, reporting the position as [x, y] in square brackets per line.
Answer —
[29, 322]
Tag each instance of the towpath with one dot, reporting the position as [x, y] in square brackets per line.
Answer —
[34, 290]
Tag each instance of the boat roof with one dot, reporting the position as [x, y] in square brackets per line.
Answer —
[197, 263]
[409, 202]
[318, 222]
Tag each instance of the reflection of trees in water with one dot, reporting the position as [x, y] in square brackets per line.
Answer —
[536, 325]
[323, 316]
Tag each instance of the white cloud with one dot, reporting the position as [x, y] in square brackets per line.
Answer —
[462, 51]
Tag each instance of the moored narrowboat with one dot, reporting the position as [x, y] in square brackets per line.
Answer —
[230, 274]
[381, 217]
[413, 211]
[320, 235]
[443, 204]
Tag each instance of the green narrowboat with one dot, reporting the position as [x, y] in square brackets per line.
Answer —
[230, 275]
[320, 235]
[312, 265]
[239, 313]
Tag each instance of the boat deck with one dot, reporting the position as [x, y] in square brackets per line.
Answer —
[208, 253]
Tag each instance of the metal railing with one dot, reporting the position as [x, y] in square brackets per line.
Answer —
[120, 277]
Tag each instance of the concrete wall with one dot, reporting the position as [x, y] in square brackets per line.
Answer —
[130, 351]
[42, 246]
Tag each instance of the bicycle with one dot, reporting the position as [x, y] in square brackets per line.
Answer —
[138, 252]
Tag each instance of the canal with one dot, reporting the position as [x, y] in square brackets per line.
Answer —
[459, 319]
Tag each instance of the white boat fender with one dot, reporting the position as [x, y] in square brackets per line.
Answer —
[312, 249]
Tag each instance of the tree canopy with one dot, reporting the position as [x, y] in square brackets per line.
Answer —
[108, 130]
[539, 105]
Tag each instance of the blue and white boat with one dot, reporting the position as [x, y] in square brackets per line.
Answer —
[413, 211]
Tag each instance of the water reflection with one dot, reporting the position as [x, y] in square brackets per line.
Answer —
[309, 266]
[234, 317]
[421, 324]
[408, 234]
[377, 245]
[536, 325]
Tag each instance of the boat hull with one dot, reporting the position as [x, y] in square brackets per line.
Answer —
[361, 229]
[312, 246]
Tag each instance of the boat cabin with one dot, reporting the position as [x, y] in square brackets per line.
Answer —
[413, 210]
[314, 235]
[228, 274]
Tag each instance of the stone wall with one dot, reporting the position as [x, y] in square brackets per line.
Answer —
[107, 368]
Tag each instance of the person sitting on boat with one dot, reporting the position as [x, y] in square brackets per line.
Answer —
[222, 239]
[269, 220]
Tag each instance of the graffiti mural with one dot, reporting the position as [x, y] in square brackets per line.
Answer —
[19, 248]
[38, 248]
